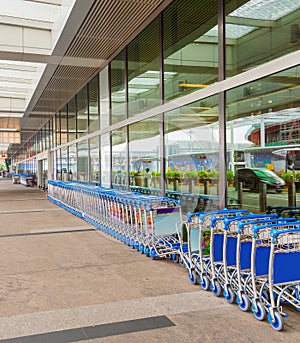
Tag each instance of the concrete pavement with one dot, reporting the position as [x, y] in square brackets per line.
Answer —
[63, 281]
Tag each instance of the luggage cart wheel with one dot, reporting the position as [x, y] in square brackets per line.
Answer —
[181, 261]
[259, 312]
[204, 283]
[216, 288]
[229, 295]
[277, 323]
[193, 277]
[243, 302]
[175, 258]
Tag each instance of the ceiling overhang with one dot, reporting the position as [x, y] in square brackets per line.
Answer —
[94, 32]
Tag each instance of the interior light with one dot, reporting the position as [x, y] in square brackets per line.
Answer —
[200, 107]
[193, 85]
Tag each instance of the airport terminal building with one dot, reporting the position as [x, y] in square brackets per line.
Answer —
[156, 96]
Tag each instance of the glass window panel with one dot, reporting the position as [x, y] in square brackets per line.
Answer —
[119, 158]
[82, 112]
[105, 160]
[144, 155]
[64, 163]
[72, 120]
[258, 31]
[58, 165]
[143, 70]
[72, 162]
[192, 154]
[83, 161]
[262, 120]
[57, 128]
[94, 158]
[190, 54]
[118, 91]
[93, 104]
[104, 98]
[64, 125]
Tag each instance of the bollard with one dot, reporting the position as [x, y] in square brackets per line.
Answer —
[262, 197]
[191, 186]
[292, 194]
[240, 193]
[205, 186]
[175, 185]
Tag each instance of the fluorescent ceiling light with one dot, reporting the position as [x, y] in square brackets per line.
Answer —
[147, 81]
[3, 129]
[11, 114]
[193, 85]
[200, 107]
[199, 114]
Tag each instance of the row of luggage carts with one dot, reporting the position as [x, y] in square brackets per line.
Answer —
[251, 259]
[146, 223]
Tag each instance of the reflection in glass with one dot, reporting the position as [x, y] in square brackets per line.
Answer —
[192, 152]
[119, 158]
[104, 98]
[64, 125]
[58, 165]
[262, 119]
[143, 70]
[144, 155]
[82, 112]
[72, 120]
[64, 163]
[57, 129]
[94, 160]
[93, 105]
[83, 161]
[190, 53]
[72, 162]
[118, 91]
[258, 31]
[105, 160]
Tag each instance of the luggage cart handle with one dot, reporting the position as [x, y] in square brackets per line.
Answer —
[227, 221]
[275, 233]
[257, 228]
[262, 221]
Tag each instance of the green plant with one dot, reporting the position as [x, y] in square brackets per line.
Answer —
[192, 174]
[203, 174]
[174, 174]
[154, 173]
[287, 177]
[229, 175]
[215, 174]
[297, 176]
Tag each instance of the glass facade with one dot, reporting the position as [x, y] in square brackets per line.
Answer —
[144, 70]
[189, 107]
[144, 155]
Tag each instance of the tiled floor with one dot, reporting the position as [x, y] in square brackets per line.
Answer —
[63, 281]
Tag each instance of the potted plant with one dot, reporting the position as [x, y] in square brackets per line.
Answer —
[230, 177]
[203, 175]
[297, 181]
[287, 177]
[138, 177]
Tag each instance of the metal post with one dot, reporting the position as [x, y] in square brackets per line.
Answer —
[205, 186]
[292, 193]
[262, 197]
[191, 186]
[240, 193]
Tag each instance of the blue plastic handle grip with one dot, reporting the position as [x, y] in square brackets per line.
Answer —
[276, 233]
[257, 228]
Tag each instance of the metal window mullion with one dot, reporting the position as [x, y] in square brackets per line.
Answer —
[222, 103]
[162, 150]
